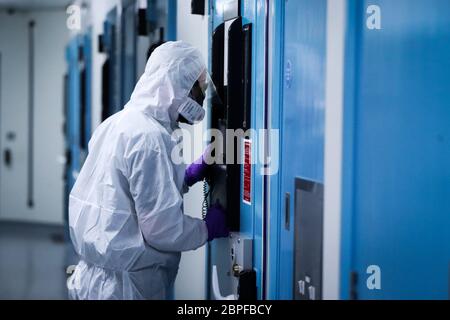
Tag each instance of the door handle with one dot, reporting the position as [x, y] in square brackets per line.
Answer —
[7, 157]
[287, 211]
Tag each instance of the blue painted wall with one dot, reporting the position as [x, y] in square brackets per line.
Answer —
[398, 142]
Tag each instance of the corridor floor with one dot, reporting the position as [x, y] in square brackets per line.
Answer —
[33, 260]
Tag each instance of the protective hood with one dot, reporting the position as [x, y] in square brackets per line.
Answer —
[170, 74]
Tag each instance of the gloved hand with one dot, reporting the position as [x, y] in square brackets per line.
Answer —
[216, 222]
[197, 171]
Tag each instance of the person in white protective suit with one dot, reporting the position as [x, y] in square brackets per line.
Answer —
[125, 210]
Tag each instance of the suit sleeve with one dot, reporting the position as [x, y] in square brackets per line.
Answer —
[158, 204]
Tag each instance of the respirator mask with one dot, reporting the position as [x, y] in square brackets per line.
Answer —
[192, 111]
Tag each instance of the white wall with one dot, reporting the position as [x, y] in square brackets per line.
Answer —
[336, 22]
[14, 105]
[191, 281]
[50, 40]
[50, 67]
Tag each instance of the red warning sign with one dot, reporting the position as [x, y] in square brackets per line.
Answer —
[247, 179]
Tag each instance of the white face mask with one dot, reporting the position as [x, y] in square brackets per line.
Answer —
[192, 111]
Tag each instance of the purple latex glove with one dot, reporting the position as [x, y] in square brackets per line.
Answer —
[216, 222]
[197, 171]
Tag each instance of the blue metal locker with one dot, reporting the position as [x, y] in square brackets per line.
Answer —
[397, 150]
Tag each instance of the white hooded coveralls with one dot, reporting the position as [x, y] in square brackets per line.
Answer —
[125, 210]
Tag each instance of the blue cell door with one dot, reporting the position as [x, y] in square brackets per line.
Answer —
[111, 69]
[86, 93]
[78, 105]
[129, 47]
[251, 19]
[302, 121]
[73, 111]
[398, 120]
[163, 14]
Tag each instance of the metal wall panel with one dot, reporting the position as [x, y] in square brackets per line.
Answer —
[308, 240]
